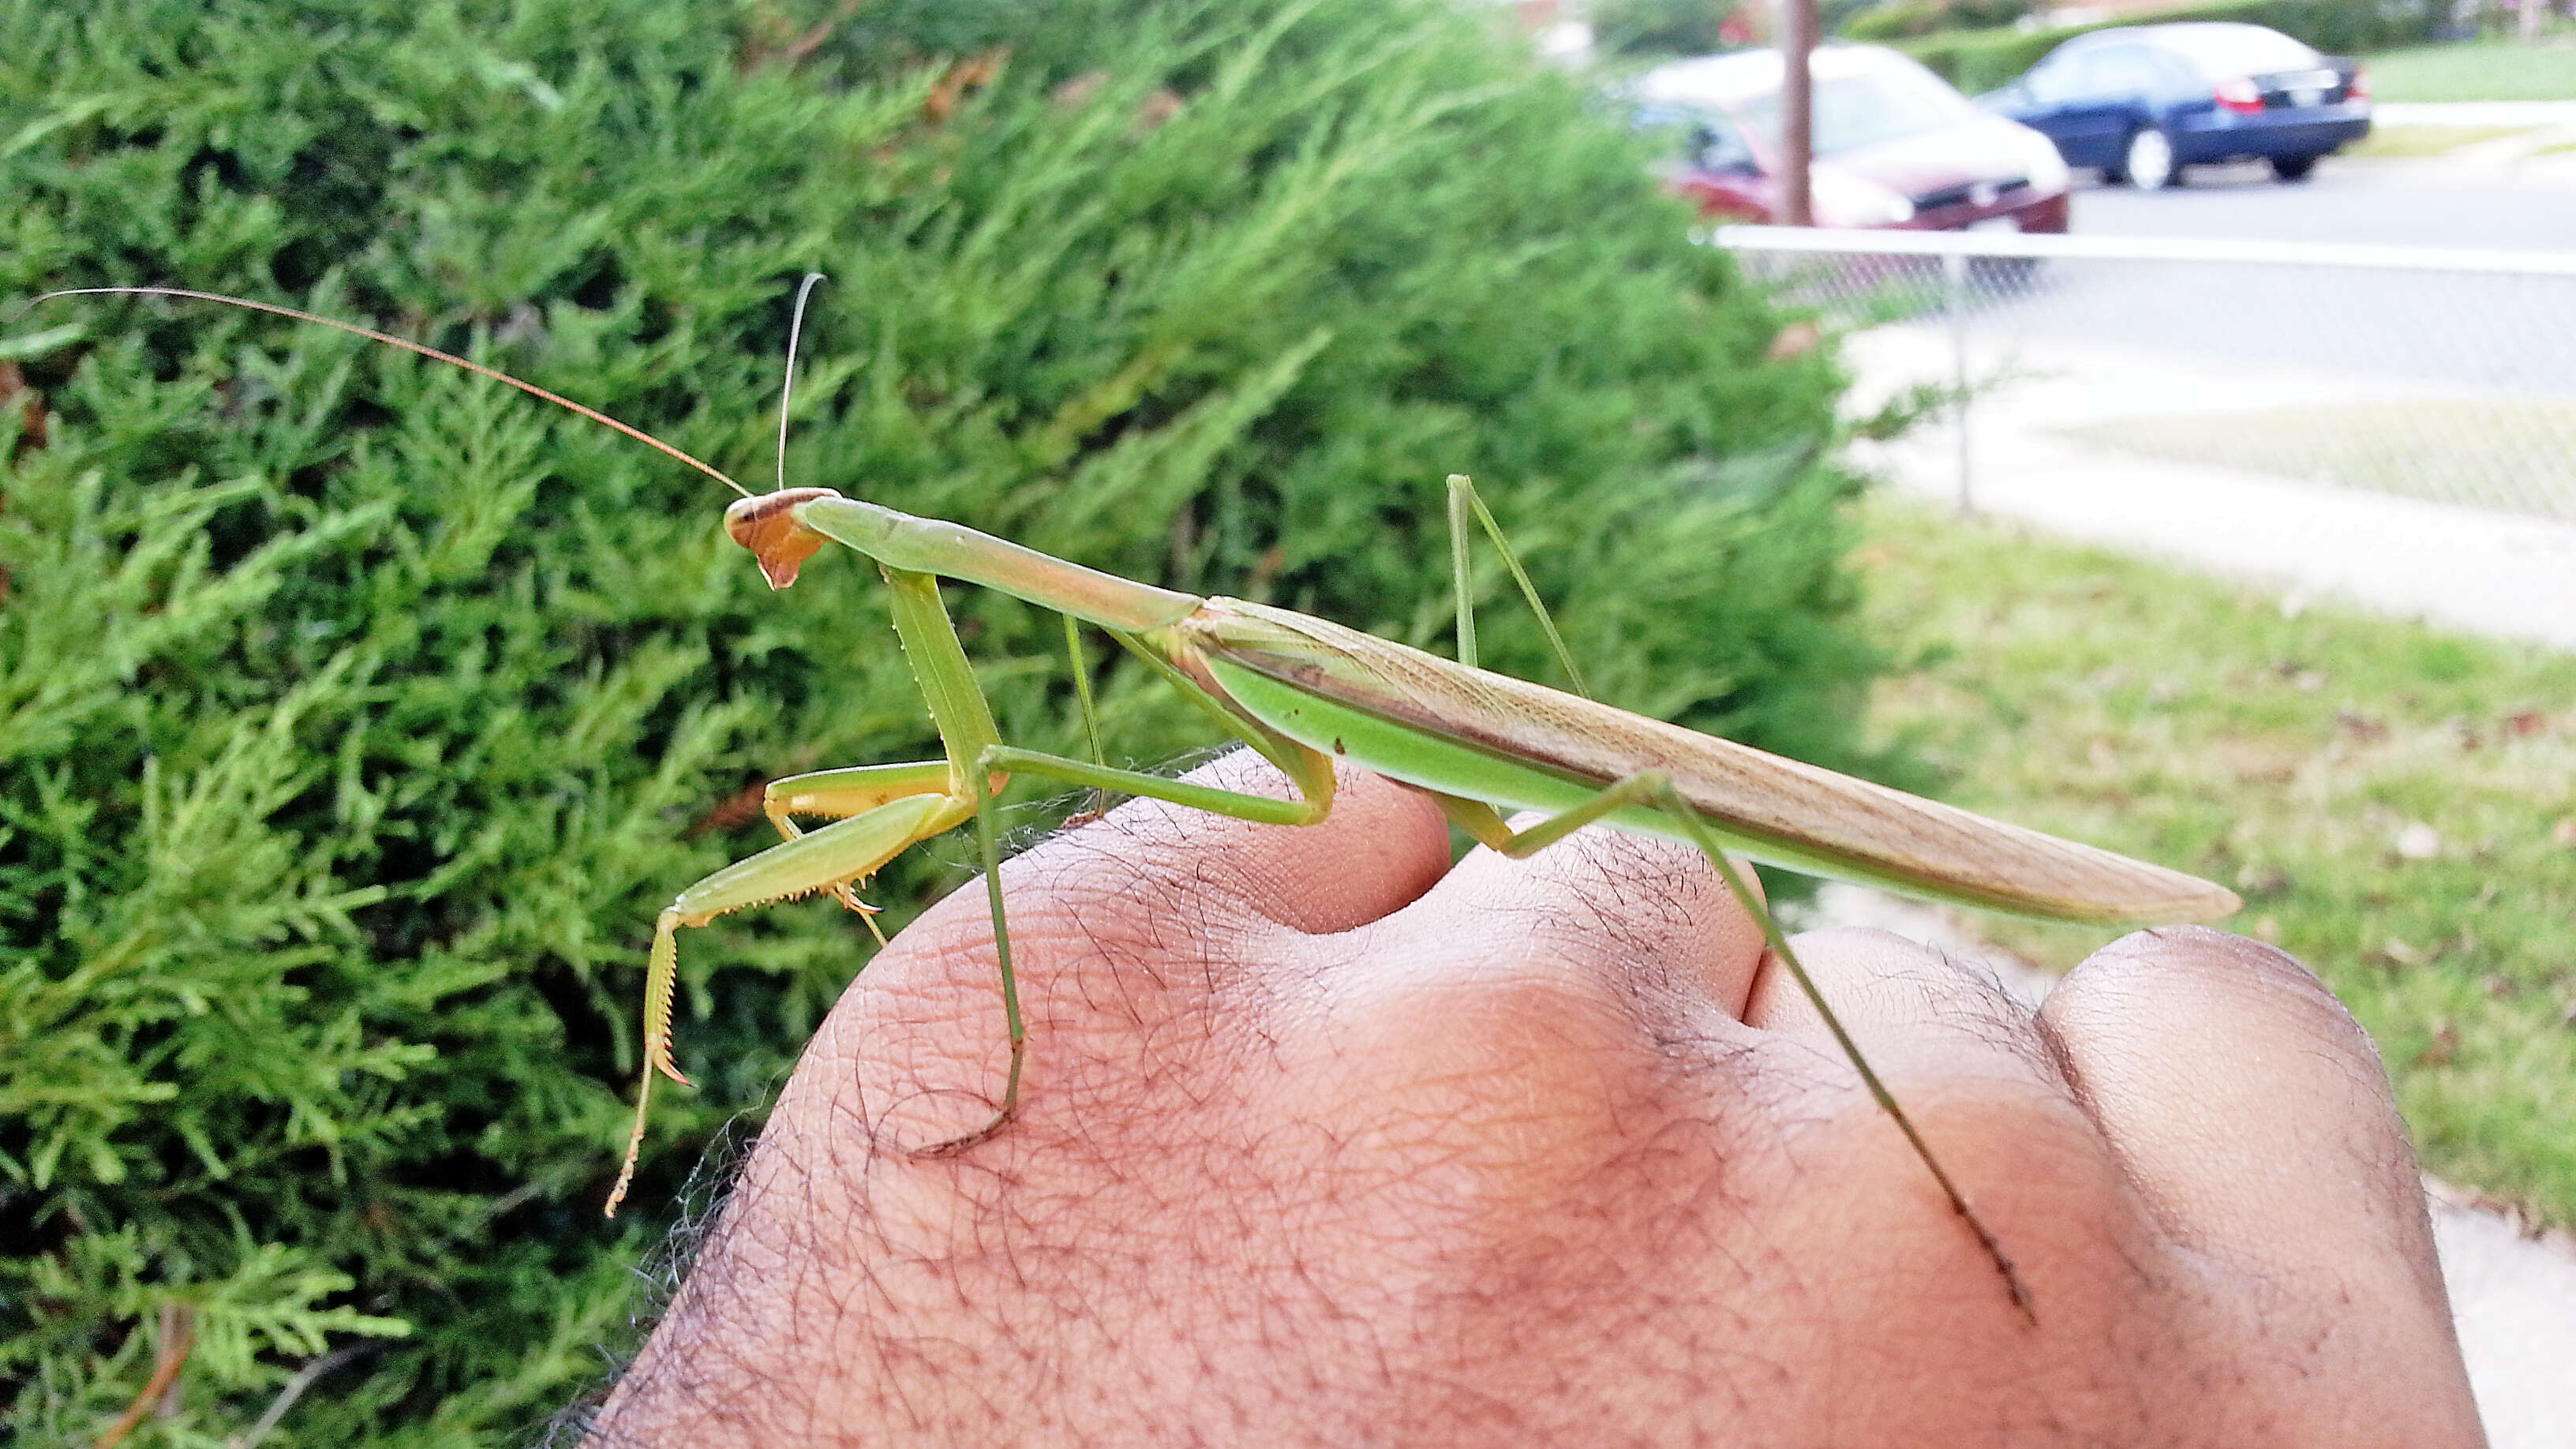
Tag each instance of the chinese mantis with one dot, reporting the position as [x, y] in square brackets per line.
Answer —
[1304, 693]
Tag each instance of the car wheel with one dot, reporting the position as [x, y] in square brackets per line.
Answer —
[2149, 161]
[2293, 168]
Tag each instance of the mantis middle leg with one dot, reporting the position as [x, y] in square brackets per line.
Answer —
[1654, 791]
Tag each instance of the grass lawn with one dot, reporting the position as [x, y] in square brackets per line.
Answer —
[2397, 805]
[2477, 70]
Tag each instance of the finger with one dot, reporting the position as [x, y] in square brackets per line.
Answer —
[1380, 847]
[1641, 917]
[1137, 925]
[1903, 1002]
[2247, 1107]
[1518, 1025]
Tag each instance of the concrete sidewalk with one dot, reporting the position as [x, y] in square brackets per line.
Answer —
[2476, 115]
[2534, 150]
[2506, 575]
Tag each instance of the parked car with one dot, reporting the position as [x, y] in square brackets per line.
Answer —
[2143, 102]
[1894, 144]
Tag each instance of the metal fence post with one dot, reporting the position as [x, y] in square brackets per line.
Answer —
[1955, 266]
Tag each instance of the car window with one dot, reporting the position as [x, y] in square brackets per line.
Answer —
[2119, 70]
[1697, 136]
[2057, 80]
[2218, 52]
[1883, 104]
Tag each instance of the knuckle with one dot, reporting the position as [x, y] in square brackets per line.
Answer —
[2204, 961]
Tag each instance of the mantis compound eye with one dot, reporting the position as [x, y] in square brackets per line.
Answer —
[766, 523]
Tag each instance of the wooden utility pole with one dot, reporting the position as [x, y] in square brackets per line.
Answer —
[1797, 112]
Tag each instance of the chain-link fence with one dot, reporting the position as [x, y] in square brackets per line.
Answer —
[2446, 375]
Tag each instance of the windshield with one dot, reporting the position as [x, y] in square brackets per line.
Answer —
[2221, 51]
[1856, 111]
[1698, 136]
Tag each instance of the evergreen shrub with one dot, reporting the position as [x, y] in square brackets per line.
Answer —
[1658, 27]
[1905, 19]
[1654, 29]
[356, 716]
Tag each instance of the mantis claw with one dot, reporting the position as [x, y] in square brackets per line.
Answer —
[847, 894]
[956, 1145]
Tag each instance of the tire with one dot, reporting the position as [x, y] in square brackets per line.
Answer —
[2293, 168]
[2148, 161]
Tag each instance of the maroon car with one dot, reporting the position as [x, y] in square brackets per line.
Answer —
[1895, 145]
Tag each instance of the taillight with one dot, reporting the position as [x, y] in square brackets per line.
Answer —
[2357, 88]
[2240, 95]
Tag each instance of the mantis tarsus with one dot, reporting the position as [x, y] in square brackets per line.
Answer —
[1304, 692]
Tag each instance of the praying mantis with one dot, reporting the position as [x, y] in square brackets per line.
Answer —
[1306, 693]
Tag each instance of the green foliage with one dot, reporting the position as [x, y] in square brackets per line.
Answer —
[1981, 60]
[1662, 28]
[358, 715]
[1659, 27]
[1905, 19]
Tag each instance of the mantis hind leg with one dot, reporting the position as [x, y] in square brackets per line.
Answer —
[1463, 500]
[1655, 791]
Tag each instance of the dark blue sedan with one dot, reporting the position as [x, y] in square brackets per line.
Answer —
[2142, 102]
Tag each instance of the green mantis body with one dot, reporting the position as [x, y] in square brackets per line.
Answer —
[1305, 693]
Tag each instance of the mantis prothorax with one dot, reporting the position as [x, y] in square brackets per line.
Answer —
[1305, 692]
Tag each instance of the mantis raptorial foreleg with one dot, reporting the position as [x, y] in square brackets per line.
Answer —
[842, 794]
[826, 859]
[890, 809]
[887, 809]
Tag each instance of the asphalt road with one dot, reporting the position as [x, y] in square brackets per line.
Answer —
[2450, 329]
[2400, 204]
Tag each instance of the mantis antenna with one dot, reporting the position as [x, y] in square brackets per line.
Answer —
[407, 345]
[787, 386]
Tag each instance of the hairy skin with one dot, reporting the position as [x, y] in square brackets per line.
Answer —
[1324, 1142]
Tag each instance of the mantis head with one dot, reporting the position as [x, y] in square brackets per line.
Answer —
[766, 523]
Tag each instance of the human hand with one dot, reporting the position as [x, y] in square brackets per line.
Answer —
[1325, 1142]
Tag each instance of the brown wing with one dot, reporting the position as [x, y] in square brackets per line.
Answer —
[1809, 818]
